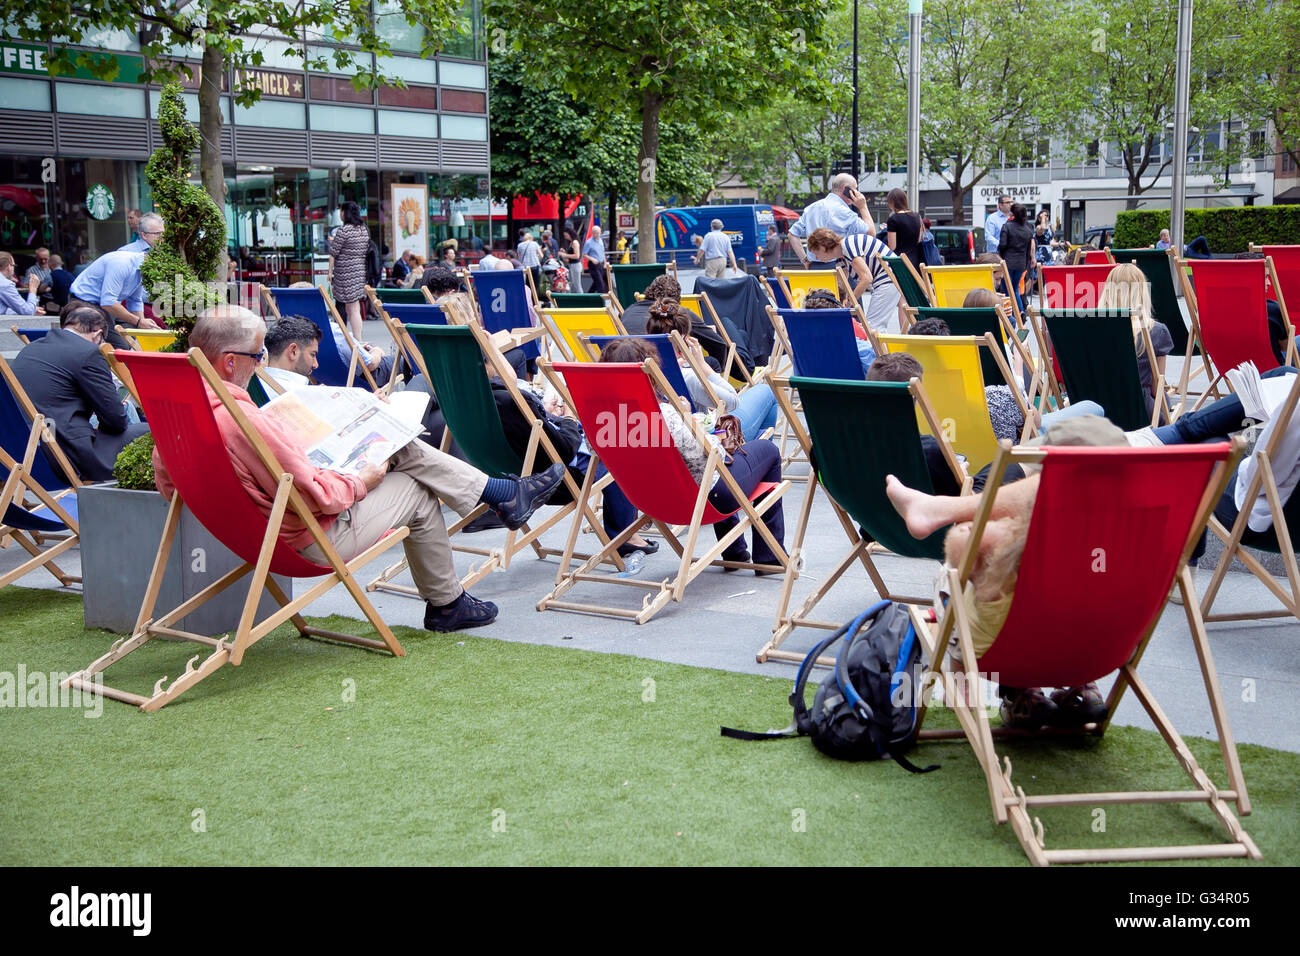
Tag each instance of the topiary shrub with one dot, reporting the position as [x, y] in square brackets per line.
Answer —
[178, 269]
[134, 466]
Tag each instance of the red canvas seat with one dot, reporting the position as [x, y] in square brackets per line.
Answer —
[1111, 529]
[620, 415]
[1229, 313]
[1074, 287]
[1286, 263]
[174, 391]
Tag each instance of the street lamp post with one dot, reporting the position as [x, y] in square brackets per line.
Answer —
[914, 104]
[1182, 73]
[855, 164]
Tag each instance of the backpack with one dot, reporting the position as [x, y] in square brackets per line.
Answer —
[868, 707]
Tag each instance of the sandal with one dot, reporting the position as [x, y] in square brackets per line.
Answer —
[1027, 709]
[1077, 706]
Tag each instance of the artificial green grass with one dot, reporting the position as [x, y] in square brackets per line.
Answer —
[479, 751]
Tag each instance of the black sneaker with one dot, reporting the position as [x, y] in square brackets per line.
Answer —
[467, 611]
[487, 521]
[530, 494]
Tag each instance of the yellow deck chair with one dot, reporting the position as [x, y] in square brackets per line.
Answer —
[799, 282]
[950, 284]
[569, 327]
[149, 340]
[954, 383]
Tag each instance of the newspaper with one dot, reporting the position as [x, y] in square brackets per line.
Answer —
[345, 429]
[1260, 397]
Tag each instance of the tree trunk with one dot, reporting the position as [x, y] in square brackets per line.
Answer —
[211, 171]
[647, 159]
[958, 203]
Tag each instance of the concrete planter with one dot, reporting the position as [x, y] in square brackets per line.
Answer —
[120, 532]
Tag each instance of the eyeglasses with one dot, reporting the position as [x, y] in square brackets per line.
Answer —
[255, 356]
[151, 232]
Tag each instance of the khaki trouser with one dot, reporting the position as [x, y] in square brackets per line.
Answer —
[715, 268]
[412, 494]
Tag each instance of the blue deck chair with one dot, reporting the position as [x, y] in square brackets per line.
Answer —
[822, 343]
[667, 361]
[36, 498]
[777, 288]
[312, 304]
[29, 335]
[502, 297]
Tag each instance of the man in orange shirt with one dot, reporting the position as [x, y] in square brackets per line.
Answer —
[355, 511]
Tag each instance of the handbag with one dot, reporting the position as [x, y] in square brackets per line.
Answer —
[731, 437]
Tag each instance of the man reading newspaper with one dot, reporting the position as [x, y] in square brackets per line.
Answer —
[365, 492]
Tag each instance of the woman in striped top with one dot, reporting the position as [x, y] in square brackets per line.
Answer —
[862, 255]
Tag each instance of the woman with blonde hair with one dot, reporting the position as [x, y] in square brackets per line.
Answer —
[1126, 288]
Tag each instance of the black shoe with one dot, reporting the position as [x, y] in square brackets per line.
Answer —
[466, 611]
[625, 550]
[487, 521]
[530, 494]
[741, 556]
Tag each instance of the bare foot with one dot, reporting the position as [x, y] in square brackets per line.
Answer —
[915, 507]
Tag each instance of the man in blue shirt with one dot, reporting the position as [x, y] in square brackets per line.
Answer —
[594, 251]
[113, 283]
[150, 231]
[994, 223]
[716, 247]
[843, 211]
[11, 300]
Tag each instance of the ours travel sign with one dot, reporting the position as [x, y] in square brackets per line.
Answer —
[33, 60]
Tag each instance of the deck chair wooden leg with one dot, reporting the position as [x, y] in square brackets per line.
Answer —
[261, 570]
[40, 559]
[170, 525]
[782, 625]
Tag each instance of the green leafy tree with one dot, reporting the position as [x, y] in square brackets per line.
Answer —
[698, 61]
[192, 249]
[1265, 86]
[220, 33]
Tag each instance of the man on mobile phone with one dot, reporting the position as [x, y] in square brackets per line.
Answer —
[843, 211]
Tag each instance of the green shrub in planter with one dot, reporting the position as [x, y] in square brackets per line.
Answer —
[134, 466]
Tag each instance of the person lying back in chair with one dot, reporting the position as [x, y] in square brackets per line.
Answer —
[992, 583]
[357, 510]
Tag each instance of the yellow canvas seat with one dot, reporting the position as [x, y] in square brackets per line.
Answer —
[800, 282]
[951, 284]
[568, 328]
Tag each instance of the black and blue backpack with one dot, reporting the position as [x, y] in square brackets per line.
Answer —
[868, 708]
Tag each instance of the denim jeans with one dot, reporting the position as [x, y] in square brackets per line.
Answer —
[1073, 410]
[756, 411]
[1215, 422]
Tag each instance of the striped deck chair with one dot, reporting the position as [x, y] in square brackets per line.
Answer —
[1110, 531]
[655, 479]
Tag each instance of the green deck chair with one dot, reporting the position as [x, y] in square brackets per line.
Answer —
[578, 300]
[401, 296]
[257, 392]
[627, 281]
[908, 282]
[1098, 360]
[1155, 265]
[859, 433]
[452, 356]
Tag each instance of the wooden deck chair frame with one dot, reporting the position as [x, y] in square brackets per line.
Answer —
[1265, 480]
[922, 283]
[1009, 801]
[670, 269]
[23, 491]
[287, 499]
[355, 363]
[1293, 253]
[21, 336]
[689, 567]
[841, 285]
[993, 270]
[518, 540]
[860, 550]
[733, 367]
[1194, 336]
[560, 340]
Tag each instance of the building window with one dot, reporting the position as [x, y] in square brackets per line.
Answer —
[342, 119]
[463, 74]
[98, 100]
[465, 127]
[25, 95]
[411, 70]
[191, 101]
[391, 25]
[469, 42]
[273, 114]
[393, 123]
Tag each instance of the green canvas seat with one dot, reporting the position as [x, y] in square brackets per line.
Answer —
[257, 392]
[858, 432]
[914, 294]
[1099, 361]
[578, 300]
[628, 281]
[401, 296]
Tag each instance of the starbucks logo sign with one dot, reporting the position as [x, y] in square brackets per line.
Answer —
[100, 202]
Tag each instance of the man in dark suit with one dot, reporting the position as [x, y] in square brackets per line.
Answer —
[68, 381]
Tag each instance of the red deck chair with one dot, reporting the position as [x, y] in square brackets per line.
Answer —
[1286, 263]
[620, 414]
[194, 453]
[1070, 287]
[1111, 530]
[1227, 305]
[1098, 257]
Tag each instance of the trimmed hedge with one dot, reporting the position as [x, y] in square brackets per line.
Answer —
[1229, 229]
